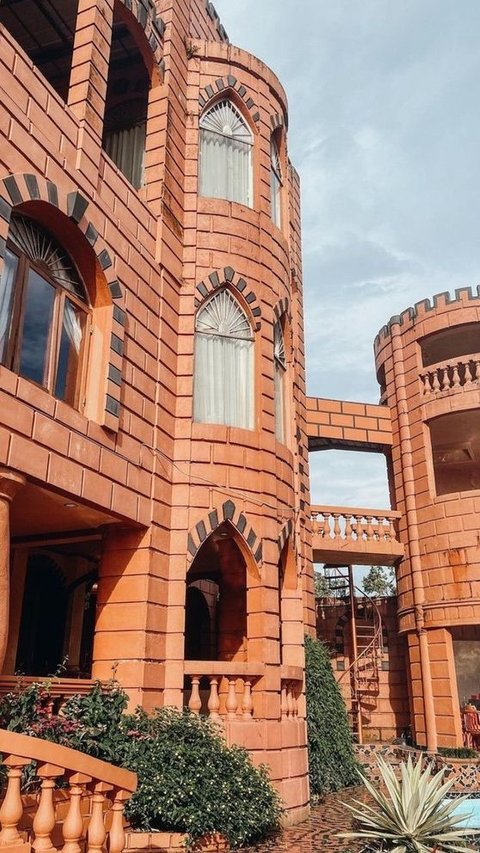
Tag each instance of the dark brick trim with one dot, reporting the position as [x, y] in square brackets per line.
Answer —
[282, 307]
[151, 23]
[20, 188]
[227, 512]
[213, 15]
[229, 278]
[222, 85]
[286, 532]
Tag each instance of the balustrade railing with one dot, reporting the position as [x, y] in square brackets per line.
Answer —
[451, 375]
[222, 689]
[290, 691]
[59, 689]
[344, 524]
[95, 792]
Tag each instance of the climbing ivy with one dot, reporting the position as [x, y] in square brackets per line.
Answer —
[330, 751]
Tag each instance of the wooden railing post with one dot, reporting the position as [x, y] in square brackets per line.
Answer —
[44, 820]
[11, 810]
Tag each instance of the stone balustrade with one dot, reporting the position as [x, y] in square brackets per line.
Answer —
[222, 689]
[360, 536]
[290, 691]
[462, 373]
[59, 689]
[92, 802]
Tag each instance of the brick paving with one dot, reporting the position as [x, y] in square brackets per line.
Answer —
[318, 834]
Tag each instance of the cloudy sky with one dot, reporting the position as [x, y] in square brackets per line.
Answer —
[384, 130]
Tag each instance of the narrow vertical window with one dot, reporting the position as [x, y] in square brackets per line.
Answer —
[279, 370]
[224, 380]
[126, 104]
[225, 155]
[275, 183]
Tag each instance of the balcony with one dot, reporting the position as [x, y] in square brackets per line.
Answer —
[226, 690]
[450, 377]
[222, 689]
[352, 536]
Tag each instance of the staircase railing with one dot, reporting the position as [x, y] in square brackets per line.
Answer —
[369, 653]
[87, 813]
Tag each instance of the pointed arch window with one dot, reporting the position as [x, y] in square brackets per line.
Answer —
[276, 182]
[224, 379]
[279, 371]
[226, 145]
[44, 311]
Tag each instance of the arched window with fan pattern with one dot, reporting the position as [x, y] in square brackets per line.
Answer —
[275, 182]
[226, 145]
[224, 378]
[279, 371]
[44, 311]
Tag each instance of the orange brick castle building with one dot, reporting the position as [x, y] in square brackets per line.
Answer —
[154, 484]
[154, 429]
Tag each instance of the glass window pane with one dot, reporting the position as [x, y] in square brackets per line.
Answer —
[73, 330]
[9, 274]
[37, 322]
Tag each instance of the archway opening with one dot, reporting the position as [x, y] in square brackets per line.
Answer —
[216, 601]
[126, 103]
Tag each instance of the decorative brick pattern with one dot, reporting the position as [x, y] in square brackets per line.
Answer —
[421, 309]
[229, 278]
[20, 188]
[282, 307]
[213, 14]
[223, 84]
[287, 531]
[145, 13]
[228, 512]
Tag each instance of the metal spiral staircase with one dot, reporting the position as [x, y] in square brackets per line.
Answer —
[367, 645]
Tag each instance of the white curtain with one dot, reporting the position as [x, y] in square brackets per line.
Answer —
[127, 150]
[6, 298]
[72, 326]
[225, 167]
[276, 206]
[224, 382]
[279, 373]
[275, 182]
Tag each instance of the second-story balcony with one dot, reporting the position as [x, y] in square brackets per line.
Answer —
[451, 376]
[353, 536]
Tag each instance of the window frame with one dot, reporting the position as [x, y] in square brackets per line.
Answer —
[15, 330]
[250, 410]
[280, 369]
[276, 200]
[248, 201]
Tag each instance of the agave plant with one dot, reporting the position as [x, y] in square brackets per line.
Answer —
[412, 816]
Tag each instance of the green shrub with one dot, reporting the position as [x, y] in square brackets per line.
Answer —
[332, 763]
[458, 752]
[189, 779]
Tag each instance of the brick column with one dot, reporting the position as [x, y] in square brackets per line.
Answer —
[10, 482]
[88, 79]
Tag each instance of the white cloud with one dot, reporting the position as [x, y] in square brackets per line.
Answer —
[384, 130]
